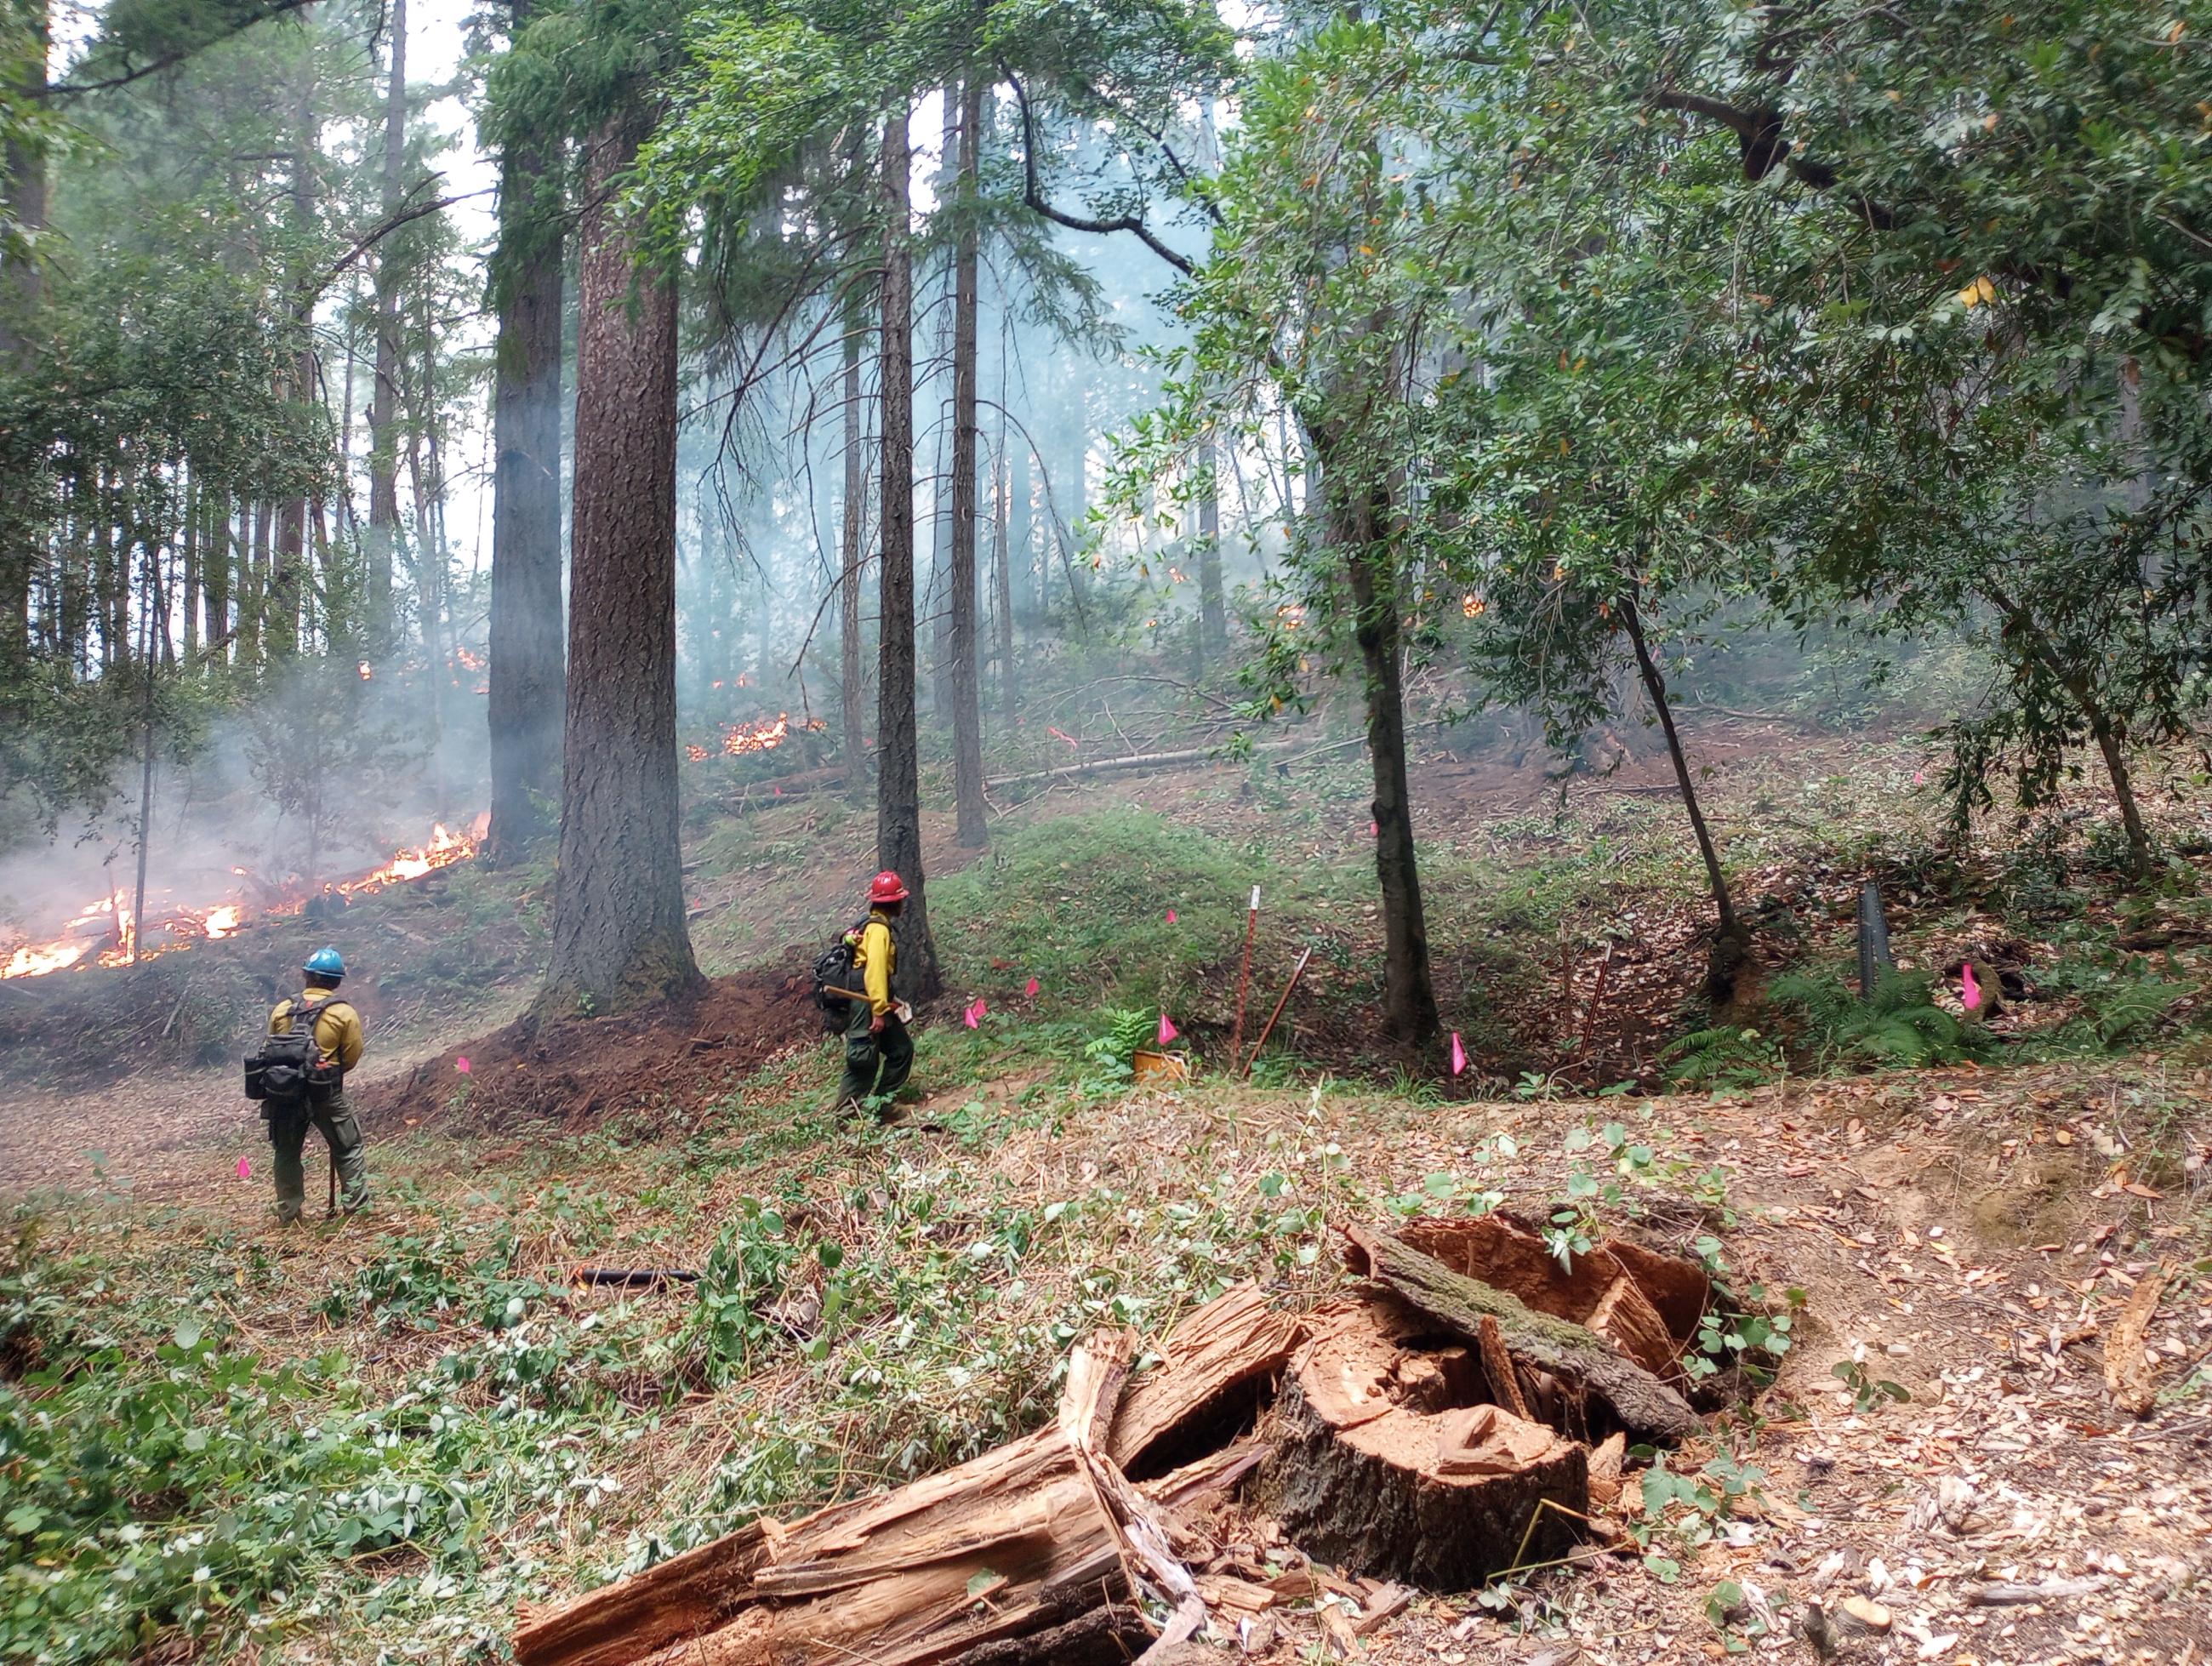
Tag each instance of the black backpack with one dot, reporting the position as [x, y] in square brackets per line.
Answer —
[288, 1071]
[835, 977]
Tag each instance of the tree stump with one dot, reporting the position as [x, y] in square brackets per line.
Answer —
[1391, 1460]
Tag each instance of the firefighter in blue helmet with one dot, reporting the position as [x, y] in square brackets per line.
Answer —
[337, 1047]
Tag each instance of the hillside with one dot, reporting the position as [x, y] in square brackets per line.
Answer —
[386, 1435]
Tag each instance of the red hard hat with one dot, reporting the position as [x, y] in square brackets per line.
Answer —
[887, 887]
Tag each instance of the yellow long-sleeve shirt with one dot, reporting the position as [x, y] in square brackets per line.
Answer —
[876, 959]
[337, 1027]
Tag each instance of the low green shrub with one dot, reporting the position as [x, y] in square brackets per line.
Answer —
[1897, 1027]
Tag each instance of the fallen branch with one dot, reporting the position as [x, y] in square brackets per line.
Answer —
[2128, 1377]
[1582, 1361]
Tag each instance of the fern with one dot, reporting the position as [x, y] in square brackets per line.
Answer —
[1898, 1027]
[1725, 1057]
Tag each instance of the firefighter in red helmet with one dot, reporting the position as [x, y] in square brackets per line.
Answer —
[879, 1052]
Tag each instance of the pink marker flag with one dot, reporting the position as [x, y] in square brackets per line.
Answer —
[974, 1015]
[1168, 1031]
[245, 1169]
[1971, 992]
[1171, 917]
[1031, 989]
[1374, 830]
[1459, 1054]
[461, 1064]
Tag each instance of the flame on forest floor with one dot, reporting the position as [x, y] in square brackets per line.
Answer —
[104, 933]
[740, 740]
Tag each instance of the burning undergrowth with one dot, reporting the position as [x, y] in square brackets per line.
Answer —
[418, 946]
[108, 931]
[576, 1073]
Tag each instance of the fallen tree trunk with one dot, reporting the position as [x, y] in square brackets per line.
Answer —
[1604, 1387]
[1018, 1541]
[1215, 1370]
[1034, 1551]
[1108, 766]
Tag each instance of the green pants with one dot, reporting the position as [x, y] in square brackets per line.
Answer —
[875, 1064]
[287, 1132]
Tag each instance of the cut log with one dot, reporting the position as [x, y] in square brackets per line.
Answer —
[1443, 1499]
[1607, 1388]
[2128, 1376]
[1215, 1368]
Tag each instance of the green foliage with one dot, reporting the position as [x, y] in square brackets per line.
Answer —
[1898, 1027]
[1685, 1512]
[1724, 1058]
[728, 1329]
[1869, 1392]
[1082, 903]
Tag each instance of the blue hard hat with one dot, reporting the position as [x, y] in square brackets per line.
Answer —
[325, 962]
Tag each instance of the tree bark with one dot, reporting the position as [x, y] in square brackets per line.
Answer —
[1212, 605]
[970, 828]
[215, 579]
[384, 393]
[525, 658]
[853, 519]
[1731, 943]
[21, 288]
[2114, 745]
[1003, 584]
[1030, 574]
[280, 596]
[1576, 1356]
[1358, 516]
[898, 777]
[619, 938]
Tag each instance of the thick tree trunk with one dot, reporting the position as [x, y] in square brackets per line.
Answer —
[1079, 492]
[898, 768]
[384, 393]
[970, 828]
[619, 938]
[525, 681]
[1731, 942]
[853, 519]
[280, 605]
[280, 596]
[1359, 521]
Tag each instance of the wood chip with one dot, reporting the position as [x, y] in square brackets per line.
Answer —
[2129, 1377]
[1865, 1612]
[1605, 1463]
[1385, 1605]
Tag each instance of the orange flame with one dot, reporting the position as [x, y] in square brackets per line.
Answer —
[104, 933]
[755, 736]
